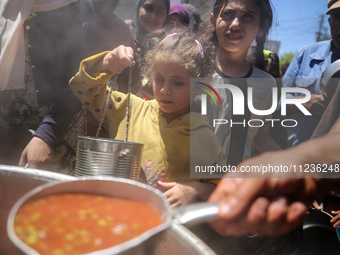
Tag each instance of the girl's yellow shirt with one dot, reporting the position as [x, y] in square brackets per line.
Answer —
[169, 149]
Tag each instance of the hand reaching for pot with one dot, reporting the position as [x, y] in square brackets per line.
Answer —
[37, 154]
[336, 218]
[331, 204]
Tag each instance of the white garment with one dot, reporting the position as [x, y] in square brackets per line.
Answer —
[12, 43]
[262, 84]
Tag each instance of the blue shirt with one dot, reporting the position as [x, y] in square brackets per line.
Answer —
[309, 63]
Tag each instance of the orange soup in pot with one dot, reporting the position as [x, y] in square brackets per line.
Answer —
[77, 223]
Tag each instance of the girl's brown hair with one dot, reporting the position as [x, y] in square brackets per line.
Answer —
[183, 47]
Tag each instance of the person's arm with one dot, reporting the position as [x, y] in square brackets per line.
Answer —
[77, 37]
[39, 151]
[335, 128]
[114, 61]
[37, 154]
[263, 142]
[274, 206]
[90, 84]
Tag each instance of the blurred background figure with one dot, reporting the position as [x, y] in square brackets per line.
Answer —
[150, 15]
[42, 44]
[178, 15]
[284, 68]
[111, 31]
[305, 71]
[195, 17]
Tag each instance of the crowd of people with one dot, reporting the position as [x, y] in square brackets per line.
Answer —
[58, 58]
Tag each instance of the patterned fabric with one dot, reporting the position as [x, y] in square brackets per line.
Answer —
[23, 109]
[12, 53]
[20, 108]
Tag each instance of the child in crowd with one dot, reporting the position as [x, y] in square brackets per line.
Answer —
[163, 125]
[150, 15]
[178, 15]
[235, 25]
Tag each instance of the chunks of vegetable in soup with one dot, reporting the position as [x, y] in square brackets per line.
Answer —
[74, 223]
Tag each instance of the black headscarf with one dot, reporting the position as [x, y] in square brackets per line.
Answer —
[137, 31]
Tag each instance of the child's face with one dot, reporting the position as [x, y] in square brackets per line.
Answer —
[152, 15]
[237, 25]
[171, 88]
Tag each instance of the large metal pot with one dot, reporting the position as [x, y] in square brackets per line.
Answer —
[146, 243]
[14, 183]
[17, 181]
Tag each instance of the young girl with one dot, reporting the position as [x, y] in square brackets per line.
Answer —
[235, 25]
[163, 125]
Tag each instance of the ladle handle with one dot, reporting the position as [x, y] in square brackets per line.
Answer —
[195, 213]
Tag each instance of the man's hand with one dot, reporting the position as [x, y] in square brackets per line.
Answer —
[261, 206]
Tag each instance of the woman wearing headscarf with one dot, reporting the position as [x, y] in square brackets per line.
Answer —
[178, 14]
[111, 31]
[150, 15]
